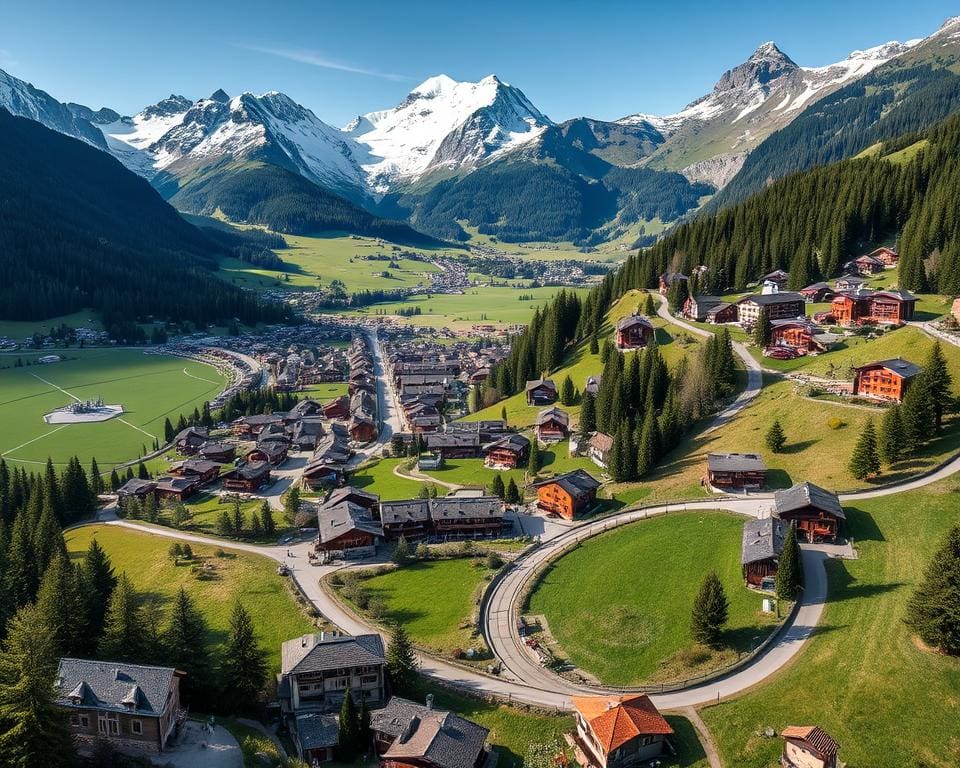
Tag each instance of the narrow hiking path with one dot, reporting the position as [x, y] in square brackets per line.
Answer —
[415, 474]
[703, 733]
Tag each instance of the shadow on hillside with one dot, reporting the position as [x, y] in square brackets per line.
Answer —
[843, 586]
[798, 447]
[861, 525]
[778, 478]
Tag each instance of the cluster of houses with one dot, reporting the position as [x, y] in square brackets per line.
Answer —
[137, 709]
[361, 400]
[351, 522]
[302, 367]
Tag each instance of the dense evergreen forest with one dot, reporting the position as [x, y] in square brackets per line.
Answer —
[285, 201]
[889, 102]
[813, 222]
[551, 196]
[79, 230]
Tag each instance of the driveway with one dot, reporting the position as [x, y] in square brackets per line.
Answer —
[197, 748]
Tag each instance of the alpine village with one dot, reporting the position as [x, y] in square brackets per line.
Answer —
[461, 437]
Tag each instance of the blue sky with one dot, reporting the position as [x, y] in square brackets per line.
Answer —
[602, 59]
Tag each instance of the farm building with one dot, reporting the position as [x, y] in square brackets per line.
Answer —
[761, 548]
[633, 332]
[778, 279]
[409, 734]
[338, 408]
[135, 488]
[273, 453]
[696, 307]
[806, 746]
[885, 379]
[541, 392]
[130, 706]
[178, 488]
[321, 473]
[362, 428]
[508, 452]
[620, 731]
[248, 478]
[552, 425]
[354, 495]
[347, 530]
[849, 283]
[816, 513]
[454, 445]
[736, 470]
[568, 495]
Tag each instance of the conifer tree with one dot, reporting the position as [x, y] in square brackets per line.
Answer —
[151, 617]
[533, 457]
[168, 431]
[513, 493]
[918, 413]
[648, 306]
[594, 344]
[865, 460]
[33, 728]
[122, 631]
[363, 725]
[496, 487]
[225, 523]
[568, 392]
[115, 481]
[256, 529]
[934, 608]
[142, 471]
[22, 575]
[938, 381]
[47, 540]
[401, 552]
[789, 578]
[62, 605]
[266, 519]
[401, 661]
[99, 580]
[710, 611]
[347, 733]
[96, 481]
[237, 519]
[185, 642]
[648, 451]
[892, 441]
[588, 414]
[762, 330]
[243, 666]
[291, 505]
[776, 438]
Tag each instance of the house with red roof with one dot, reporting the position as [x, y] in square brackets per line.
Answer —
[808, 746]
[618, 731]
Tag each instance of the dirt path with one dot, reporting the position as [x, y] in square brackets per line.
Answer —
[420, 477]
[703, 733]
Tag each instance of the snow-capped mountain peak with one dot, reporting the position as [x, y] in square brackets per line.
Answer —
[444, 123]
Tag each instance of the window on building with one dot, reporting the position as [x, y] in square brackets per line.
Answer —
[74, 720]
[136, 726]
[85, 721]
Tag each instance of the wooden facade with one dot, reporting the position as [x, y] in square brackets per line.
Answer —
[736, 470]
[815, 512]
[884, 380]
[864, 306]
[248, 478]
[633, 332]
[541, 392]
[552, 425]
[808, 747]
[568, 496]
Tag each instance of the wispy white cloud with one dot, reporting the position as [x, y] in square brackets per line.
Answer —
[319, 59]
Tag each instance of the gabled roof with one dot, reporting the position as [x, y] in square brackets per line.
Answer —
[903, 368]
[322, 651]
[616, 721]
[576, 482]
[408, 511]
[553, 414]
[601, 441]
[349, 492]
[762, 539]
[515, 442]
[448, 508]
[345, 517]
[113, 685]
[735, 462]
[537, 383]
[813, 735]
[807, 494]
[766, 299]
[440, 738]
[252, 470]
[631, 320]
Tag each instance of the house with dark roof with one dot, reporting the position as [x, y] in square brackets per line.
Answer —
[178, 488]
[409, 518]
[316, 672]
[885, 379]
[633, 332]
[406, 733]
[761, 548]
[131, 706]
[271, 451]
[466, 516]
[552, 425]
[865, 265]
[189, 440]
[347, 530]
[508, 452]
[816, 292]
[736, 470]
[248, 478]
[863, 306]
[618, 731]
[454, 445]
[354, 495]
[135, 488]
[221, 452]
[667, 279]
[201, 470]
[777, 306]
[815, 512]
[808, 746]
[540, 392]
[697, 307]
[569, 495]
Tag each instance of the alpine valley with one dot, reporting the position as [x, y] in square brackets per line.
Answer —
[456, 159]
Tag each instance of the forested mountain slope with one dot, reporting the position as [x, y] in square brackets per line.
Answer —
[811, 223]
[79, 230]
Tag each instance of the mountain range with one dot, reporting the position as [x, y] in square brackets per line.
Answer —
[458, 155]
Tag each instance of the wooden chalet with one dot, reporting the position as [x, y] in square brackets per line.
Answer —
[808, 746]
[222, 453]
[410, 735]
[135, 488]
[865, 265]
[697, 307]
[355, 496]
[800, 335]
[178, 488]
[251, 426]
[568, 496]
[634, 332]
[303, 409]
[618, 731]
[817, 292]
[274, 453]
[667, 279]
[849, 283]
[454, 445]
[467, 516]
[864, 306]
[890, 257]
[778, 278]
[338, 408]
[248, 478]
[508, 452]
[362, 428]
[885, 379]
[189, 440]
[761, 549]
[816, 512]
[321, 473]
[347, 530]
[488, 429]
[201, 470]
[552, 425]
[129, 706]
[541, 392]
[736, 470]
[777, 306]
[409, 518]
